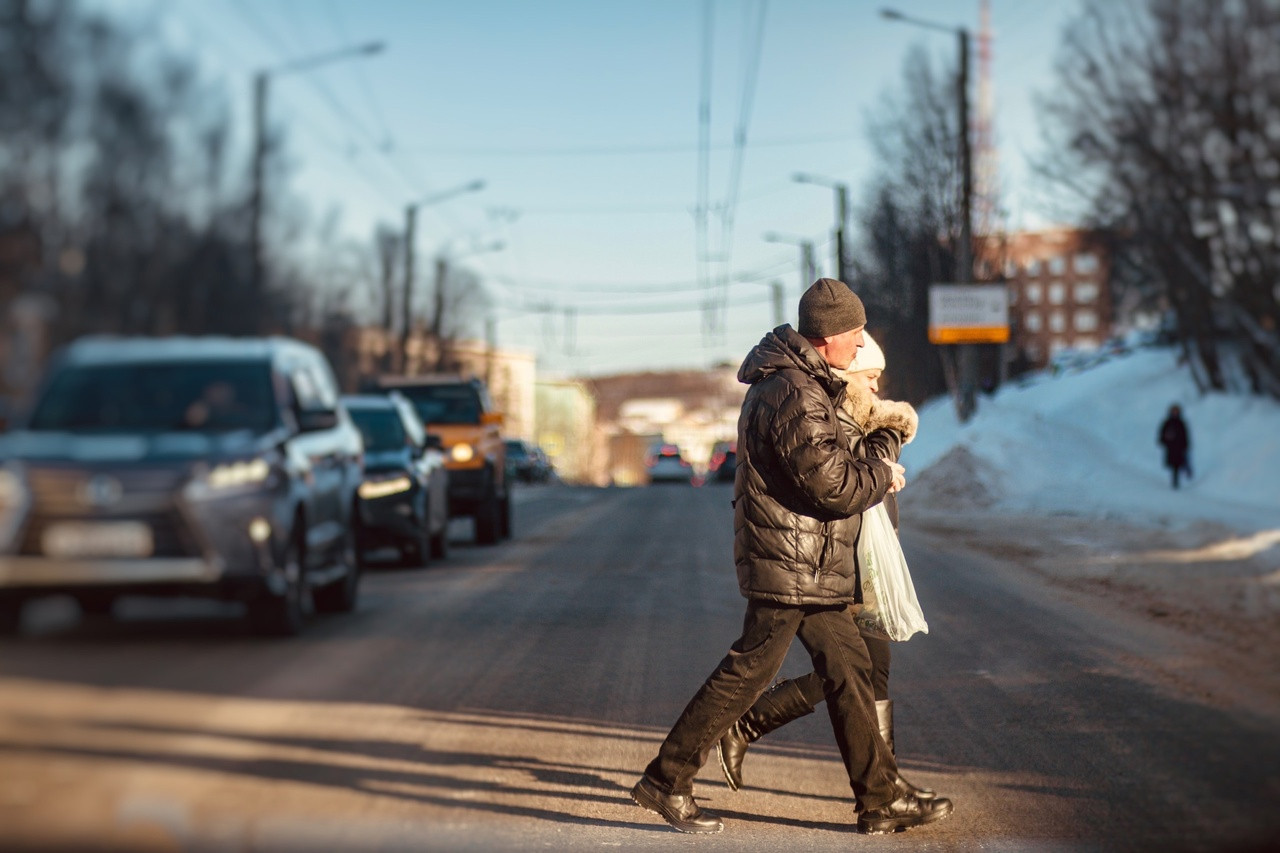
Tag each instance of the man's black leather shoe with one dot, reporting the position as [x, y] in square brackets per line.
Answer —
[903, 813]
[679, 810]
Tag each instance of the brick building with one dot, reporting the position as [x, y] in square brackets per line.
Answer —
[1059, 284]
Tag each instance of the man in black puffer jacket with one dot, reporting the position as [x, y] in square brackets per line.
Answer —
[798, 496]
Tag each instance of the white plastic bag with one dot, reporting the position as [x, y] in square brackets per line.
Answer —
[897, 611]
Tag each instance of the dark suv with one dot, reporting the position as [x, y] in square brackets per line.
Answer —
[216, 467]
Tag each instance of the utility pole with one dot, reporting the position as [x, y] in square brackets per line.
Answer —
[410, 229]
[257, 200]
[437, 318]
[257, 285]
[779, 312]
[808, 267]
[406, 292]
[968, 353]
[842, 217]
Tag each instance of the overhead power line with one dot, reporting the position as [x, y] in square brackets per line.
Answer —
[605, 150]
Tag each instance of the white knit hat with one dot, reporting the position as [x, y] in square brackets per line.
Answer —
[870, 356]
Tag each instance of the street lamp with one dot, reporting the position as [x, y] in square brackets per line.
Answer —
[261, 82]
[808, 268]
[968, 355]
[842, 215]
[437, 320]
[410, 227]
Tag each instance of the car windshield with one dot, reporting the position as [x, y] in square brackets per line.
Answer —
[444, 404]
[221, 396]
[517, 450]
[381, 428]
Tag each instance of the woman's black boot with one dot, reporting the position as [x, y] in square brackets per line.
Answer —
[884, 717]
[777, 706]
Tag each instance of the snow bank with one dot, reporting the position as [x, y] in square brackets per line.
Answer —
[1084, 443]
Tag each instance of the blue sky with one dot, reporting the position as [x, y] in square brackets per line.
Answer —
[582, 118]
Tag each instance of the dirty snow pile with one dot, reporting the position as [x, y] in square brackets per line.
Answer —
[1083, 443]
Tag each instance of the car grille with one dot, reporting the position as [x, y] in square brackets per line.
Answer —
[143, 495]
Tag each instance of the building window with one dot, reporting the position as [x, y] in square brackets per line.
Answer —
[1085, 262]
[1010, 268]
[1086, 292]
[1033, 321]
[1057, 265]
[1033, 353]
[1033, 294]
[1086, 342]
[1057, 322]
[1057, 293]
[1033, 266]
[1013, 295]
[1086, 321]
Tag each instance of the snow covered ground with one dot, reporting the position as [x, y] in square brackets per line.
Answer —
[1061, 476]
[1084, 443]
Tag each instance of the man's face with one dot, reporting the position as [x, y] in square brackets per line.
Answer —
[843, 347]
[865, 379]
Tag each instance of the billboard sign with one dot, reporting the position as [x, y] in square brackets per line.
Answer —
[968, 314]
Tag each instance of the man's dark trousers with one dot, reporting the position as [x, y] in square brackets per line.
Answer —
[830, 635]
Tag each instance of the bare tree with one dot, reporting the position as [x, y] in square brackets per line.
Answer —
[1164, 122]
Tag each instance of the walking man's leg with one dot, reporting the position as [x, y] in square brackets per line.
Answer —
[752, 662]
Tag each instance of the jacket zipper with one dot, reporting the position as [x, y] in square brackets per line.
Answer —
[822, 555]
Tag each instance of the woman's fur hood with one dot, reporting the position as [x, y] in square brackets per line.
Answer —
[871, 413]
[894, 414]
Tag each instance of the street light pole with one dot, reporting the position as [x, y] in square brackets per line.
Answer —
[808, 266]
[410, 229]
[842, 217]
[967, 355]
[257, 202]
[437, 320]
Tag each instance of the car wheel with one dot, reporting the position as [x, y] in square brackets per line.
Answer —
[439, 542]
[506, 516]
[489, 519]
[341, 597]
[96, 603]
[10, 615]
[417, 550]
[283, 615]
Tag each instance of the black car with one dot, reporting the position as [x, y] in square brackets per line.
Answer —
[527, 462]
[214, 467]
[404, 499]
[460, 410]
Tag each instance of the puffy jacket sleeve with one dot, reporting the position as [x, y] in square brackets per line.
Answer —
[818, 462]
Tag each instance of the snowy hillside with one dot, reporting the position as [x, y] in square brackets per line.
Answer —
[1084, 443]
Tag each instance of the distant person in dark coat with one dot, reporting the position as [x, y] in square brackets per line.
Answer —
[1177, 441]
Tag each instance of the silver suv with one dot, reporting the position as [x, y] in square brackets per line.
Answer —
[216, 467]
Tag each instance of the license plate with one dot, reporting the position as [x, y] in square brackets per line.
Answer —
[97, 539]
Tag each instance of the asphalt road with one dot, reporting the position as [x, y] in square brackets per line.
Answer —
[508, 698]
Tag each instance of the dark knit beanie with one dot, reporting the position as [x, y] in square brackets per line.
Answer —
[828, 308]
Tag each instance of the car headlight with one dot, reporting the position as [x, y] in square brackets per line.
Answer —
[462, 452]
[13, 497]
[231, 475]
[12, 490]
[374, 489]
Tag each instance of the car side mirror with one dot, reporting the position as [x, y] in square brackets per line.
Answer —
[314, 420]
[434, 442]
[494, 418]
